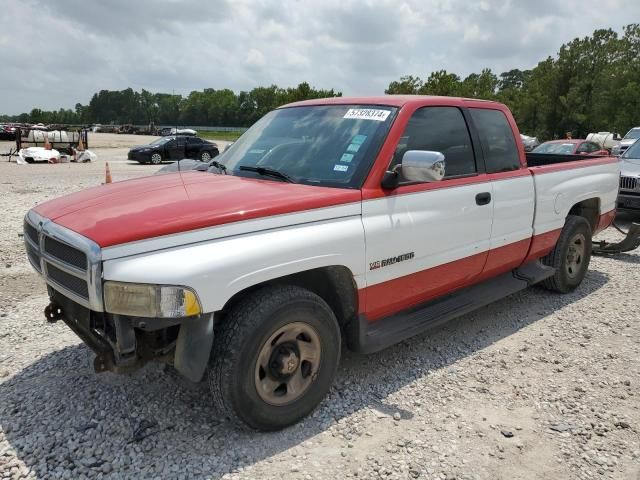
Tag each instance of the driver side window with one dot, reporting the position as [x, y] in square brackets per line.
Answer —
[440, 129]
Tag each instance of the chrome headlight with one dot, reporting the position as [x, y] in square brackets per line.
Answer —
[155, 301]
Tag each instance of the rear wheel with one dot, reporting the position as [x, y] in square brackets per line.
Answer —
[274, 357]
[570, 257]
[156, 158]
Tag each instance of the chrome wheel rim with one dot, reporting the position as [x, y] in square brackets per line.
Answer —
[575, 255]
[288, 363]
[206, 156]
[156, 158]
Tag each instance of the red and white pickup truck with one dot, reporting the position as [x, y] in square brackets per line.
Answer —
[366, 220]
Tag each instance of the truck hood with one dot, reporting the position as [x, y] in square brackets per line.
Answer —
[159, 205]
[630, 167]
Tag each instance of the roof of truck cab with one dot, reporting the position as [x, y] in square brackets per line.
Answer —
[390, 100]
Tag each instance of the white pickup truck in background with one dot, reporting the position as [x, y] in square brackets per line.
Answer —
[363, 219]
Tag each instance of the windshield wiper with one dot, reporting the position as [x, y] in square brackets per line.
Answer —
[268, 172]
[218, 165]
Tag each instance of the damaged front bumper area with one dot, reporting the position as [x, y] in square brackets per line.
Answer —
[71, 265]
[124, 344]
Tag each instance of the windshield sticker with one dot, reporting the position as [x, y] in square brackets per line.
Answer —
[359, 139]
[257, 150]
[346, 157]
[354, 147]
[367, 114]
[340, 168]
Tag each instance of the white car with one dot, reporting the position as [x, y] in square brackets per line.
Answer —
[629, 195]
[628, 140]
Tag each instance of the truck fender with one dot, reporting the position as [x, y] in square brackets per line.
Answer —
[193, 347]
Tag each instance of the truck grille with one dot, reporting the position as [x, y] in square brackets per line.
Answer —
[628, 183]
[69, 262]
[65, 253]
[34, 257]
[31, 232]
[68, 281]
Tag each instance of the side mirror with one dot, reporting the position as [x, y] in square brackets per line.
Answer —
[417, 166]
[423, 166]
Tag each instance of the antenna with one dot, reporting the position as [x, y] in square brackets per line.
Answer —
[173, 92]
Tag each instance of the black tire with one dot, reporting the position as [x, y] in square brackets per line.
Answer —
[571, 267]
[241, 340]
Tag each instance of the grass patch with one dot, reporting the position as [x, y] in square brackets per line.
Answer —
[226, 136]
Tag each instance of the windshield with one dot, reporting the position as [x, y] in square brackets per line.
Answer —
[632, 134]
[328, 145]
[555, 148]
[161, 141]
[633, 151]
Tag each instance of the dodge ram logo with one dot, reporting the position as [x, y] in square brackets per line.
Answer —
[391, 261]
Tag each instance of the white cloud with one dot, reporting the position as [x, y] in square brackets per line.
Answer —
[356, 47]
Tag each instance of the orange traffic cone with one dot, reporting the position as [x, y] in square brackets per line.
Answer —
[107, 173]
[80, 145]
[47, 145]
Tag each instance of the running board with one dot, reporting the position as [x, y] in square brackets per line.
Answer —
[367, 337]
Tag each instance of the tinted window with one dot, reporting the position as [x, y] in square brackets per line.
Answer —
[498, 143]
[557, 148]
[440, 129]
[633, 151]
[584, 148]
[194, 141]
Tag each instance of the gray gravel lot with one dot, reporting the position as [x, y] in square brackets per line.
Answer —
[535, 386]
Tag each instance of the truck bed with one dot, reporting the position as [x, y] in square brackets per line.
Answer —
[540, 159]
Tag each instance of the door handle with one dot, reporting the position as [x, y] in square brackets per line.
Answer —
[483, 198]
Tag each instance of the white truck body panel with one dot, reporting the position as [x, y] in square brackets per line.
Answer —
[218, 269]
[558, 191]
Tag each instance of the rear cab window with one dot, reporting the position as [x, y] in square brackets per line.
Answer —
[499, 147]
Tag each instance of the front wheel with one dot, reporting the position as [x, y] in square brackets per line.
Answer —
[156, 158]
[205, 156]
[274, 357]
[570, 257]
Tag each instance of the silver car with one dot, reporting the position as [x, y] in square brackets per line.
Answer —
[629, 194]
[628, 140]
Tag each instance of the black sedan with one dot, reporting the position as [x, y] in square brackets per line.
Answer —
[174, 148]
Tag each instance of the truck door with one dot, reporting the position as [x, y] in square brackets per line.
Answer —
[513, 191]
[426, 240]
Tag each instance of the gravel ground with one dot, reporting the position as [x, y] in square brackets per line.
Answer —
[535, 386]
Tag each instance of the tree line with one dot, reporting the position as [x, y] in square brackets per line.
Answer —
[209, 107]
[593, 84]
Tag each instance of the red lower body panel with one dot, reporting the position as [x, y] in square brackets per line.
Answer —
[542, 244]
[605, 220]
[393, 296]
